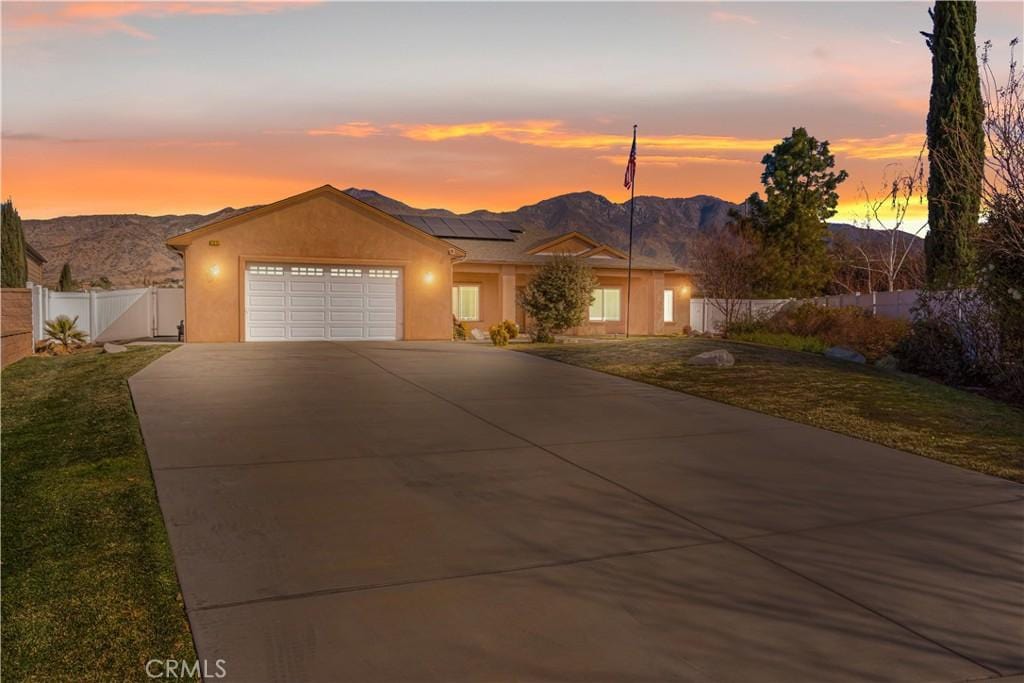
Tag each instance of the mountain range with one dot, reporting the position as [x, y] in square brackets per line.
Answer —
[129, 250]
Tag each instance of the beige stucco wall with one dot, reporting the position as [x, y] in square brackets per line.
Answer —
[321, 229]
[646, 312]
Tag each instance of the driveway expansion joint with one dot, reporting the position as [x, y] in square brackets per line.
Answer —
[703, 527]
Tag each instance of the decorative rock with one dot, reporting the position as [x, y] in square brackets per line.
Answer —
[888, 362]
[114, 348]
[477, 334]
[839, 353]
[719, 358]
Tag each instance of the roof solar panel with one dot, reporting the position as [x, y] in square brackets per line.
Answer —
[463, 228]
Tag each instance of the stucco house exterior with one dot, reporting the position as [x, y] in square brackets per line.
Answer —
[324, 265]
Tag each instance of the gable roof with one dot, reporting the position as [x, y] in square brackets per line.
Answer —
[563, 238]
[183, 240]
[604, 251]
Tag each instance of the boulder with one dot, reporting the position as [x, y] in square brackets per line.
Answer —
[839, 353]
[114, 348]
[719, 358]
[478, 334]
[888, 362]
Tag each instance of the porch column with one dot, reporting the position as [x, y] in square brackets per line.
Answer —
[507, 292]
[658, 303]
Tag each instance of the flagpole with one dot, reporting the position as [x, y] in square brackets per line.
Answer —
[629, 261]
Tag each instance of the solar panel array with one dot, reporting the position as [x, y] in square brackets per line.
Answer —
[464, 228]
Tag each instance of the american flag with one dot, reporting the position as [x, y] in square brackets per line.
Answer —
[631, 164]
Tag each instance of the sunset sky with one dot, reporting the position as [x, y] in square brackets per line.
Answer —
[184, 107]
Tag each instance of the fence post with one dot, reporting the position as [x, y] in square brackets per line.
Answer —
[92, 315]
[704, 314]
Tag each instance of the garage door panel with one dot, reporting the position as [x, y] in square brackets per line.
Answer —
[347, 316]
[303, 332]
[347, 287]
[267, 316]
[306, 286]
[267, 332]
[307, 316]
[277, 301]
[348, 332]
[266, 286]
[307, 301]
[300, 302]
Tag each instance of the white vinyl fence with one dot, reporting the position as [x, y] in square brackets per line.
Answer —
[112, 315]
[705, 316]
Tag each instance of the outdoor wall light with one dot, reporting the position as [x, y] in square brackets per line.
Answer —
[685, 289]
[214, 270]
[428, 277]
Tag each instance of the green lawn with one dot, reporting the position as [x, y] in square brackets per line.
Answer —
[89, 588]
[894, 409]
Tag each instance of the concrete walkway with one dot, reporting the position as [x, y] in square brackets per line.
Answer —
[444, 512]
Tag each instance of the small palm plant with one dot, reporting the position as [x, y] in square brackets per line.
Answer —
[63, 331]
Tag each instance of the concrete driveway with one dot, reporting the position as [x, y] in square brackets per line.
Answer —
[442, 512]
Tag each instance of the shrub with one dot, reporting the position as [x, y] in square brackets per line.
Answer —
[499, 334]
[459, 330]
[64, 331]
[958, 337]
[783, 340]
[849, 326]
[511, 328]
[559, 296]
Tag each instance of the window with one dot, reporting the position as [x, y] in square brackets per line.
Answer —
[466, 302]
[266, 270]
[669, 306]
[606, 304]
[346, 272]
[307, 271]
[384, 272]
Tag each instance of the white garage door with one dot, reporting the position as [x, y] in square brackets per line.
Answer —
[288, 302]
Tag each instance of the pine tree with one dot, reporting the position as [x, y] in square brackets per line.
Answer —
[789, 224]
[65, 284]
[956, 146]
[13, 266]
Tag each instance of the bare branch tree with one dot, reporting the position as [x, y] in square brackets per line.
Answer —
[725, 260]
[887, 212]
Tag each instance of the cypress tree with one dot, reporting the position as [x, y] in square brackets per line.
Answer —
[13, 266]
[65, 284]
[956, 145]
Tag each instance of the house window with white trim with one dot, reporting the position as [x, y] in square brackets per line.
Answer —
[466, 302]
[669, 306]
[606, 305]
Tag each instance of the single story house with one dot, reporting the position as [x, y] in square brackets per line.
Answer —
[324, 265]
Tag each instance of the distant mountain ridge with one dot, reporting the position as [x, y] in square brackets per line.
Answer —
[129, 249]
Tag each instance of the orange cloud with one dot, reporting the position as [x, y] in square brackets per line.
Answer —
[352, 129]
[668, 160]
[898, 146]
[552, 134]
[109, 17]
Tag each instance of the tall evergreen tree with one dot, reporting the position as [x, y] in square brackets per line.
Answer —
[13, 266]
[789, 224]
[956, 145]
[65, 284]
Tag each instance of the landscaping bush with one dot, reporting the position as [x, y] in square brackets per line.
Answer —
[499, 334]
[850, 327]
[959, 338]
[459, 330]
[64, 333]
[511, 328]
[558, 297]
[782, 340]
